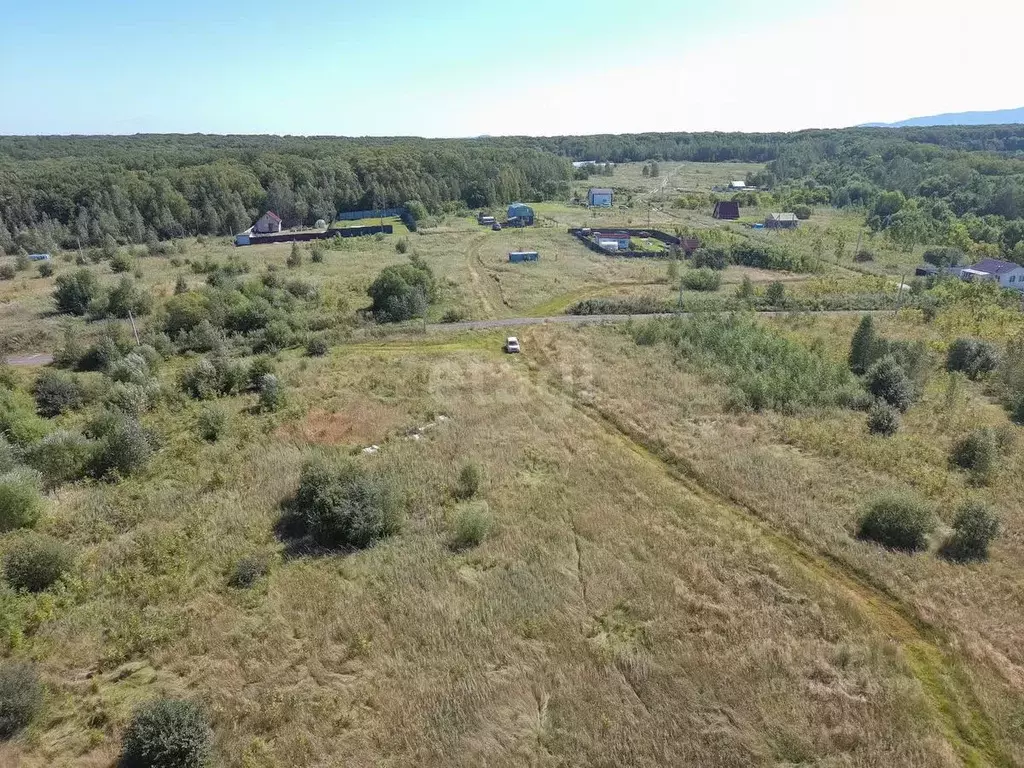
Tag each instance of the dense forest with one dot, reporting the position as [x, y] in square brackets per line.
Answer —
[59, 191]
[962, 185]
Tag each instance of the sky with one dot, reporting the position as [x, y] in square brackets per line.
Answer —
[532, 67]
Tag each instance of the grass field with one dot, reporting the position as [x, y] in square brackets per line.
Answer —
[660, 576]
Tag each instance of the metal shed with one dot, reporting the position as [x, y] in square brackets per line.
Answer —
[516, 257]
[522, 212]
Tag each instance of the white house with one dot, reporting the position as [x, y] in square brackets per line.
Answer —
[1006, 273]
[600, 198]
[269, 223]
[737, 185]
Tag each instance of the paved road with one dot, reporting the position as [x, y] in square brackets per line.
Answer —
[43, 358]
[39, 358]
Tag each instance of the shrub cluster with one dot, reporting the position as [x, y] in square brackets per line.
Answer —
[21, 696]
[473, 524]
[21, 501]
[167, 733]
[56, 392]
[345, 505]
[898, 521]
[248, 571]
[35, 561]
[883, 419]
[974, 529]
[702, 279]
[977, 453]
[403, 291]
[972, 357]
[470, 479]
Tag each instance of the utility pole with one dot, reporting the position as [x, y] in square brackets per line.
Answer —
[134, 329]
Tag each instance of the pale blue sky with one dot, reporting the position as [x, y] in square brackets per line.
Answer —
[462, 68]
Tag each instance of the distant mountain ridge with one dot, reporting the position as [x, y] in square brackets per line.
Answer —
[995, 117]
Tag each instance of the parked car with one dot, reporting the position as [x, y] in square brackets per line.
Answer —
[512, 345]
[496, 226]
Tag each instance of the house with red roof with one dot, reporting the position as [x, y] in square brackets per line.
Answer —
[268, 224]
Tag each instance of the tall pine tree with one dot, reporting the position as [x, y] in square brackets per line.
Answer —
[863, 346]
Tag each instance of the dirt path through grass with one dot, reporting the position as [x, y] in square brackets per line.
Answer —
[956, 710]
[478, 286]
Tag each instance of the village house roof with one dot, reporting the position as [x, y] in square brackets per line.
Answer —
[600, 191]
[272, 215]
[994, 266]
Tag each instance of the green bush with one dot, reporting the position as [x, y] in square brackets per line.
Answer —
[317, 347]
[259, 367]
[345, 505]
[7, 271]
[21, 502]
[944, 257]
[200, 382]
[473, 524]
[453, 316]
[19, 422]
[470, 479]
[211, 423]
[898, 521]
[863, 346]
[972, 357]
[46, 269]
[60, 457]
[21, 696]
[123, 450]
[122, 261]
[132, 368]
[702, 279]
[802, 212]
[75, 292]
[294, 259]
[775, 294]
[402, 245]
[100, 356]
[167, 733]
[974, 529]
[56, 392]
[764, 368]
[132, 399]
[883, 419]
[271, 393]
[318, 253]
[977, 453]
[8, 456]
[403, 291]
[34, 562]
[711, 257]
[248, 571]
[124, 300]
[887, 381]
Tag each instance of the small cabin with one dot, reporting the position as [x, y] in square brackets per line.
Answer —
[727, 210]
[612, 241]
[269, 223]
[521, 213]
[599, 197]
[516, 257]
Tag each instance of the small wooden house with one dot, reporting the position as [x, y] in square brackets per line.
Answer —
[268, 224]
[781, 221]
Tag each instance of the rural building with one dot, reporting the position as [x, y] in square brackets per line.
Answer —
[727, 209]
[781, 221]
[613, 241]
[740, 185]
[268, 224]
[520, 214]
[39, 257]
[518, 256]
[1006, 273]
[485, 219]
[599, 197]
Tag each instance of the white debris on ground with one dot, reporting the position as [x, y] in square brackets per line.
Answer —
[416, 433]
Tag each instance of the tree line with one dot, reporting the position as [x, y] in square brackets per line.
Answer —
[65, 191]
